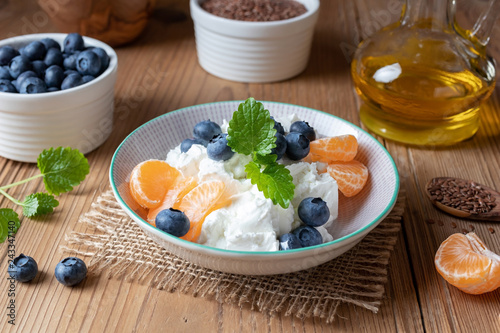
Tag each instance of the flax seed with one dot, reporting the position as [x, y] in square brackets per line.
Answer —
[254, 10]
[467, 196]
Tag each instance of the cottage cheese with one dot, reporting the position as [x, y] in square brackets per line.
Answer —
[252, 222]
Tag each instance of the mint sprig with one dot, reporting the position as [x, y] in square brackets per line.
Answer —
[9, 223]
[39, 204]
[61, 170]
[251, 132]
[275, 182]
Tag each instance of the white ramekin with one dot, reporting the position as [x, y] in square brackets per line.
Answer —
[80, 117]
[254, 51]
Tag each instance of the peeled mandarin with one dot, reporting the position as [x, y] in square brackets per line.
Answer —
[465, 262]
[201, 201]
[173, 197]
[351, 176]
[150, 181]
[336, 148]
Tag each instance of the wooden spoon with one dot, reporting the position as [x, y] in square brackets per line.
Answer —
[435, 184]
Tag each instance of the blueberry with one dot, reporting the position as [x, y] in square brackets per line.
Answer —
[88, 63]
[103, 56]
[71, 271]
[73, 42]
[23, 76]
[188, 143]
[18, 65]
[67, 72]
[54, 76]
[39, 68]
[206, 130]
[7, 86]
[289, 242]
[14, 84]
[308, 236]
[218, 149]
[4, 73]
[23, 268]
[313, 211]
[297, 146]
[51, 89]
[34, 51]
[70, 61]
[50, 43]
[280, 148]
[278, 127]
[32, 85]
[7, 53]
[172, 221]
[71, 81]
[87, 78]
[53, 57]
[304, 128]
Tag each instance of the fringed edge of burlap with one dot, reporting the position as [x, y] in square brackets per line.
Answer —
[356, 277]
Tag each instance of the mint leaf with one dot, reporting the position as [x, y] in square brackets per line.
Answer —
[39, 204]
[274, 181]
[62, 168]
[264, 159]
[251, 129]
[9, 223]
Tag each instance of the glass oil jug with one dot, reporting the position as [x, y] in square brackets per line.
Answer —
[422, 80]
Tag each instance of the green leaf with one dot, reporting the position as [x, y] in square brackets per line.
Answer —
[9, 223]
[39, 204]
[62, 169]
[264, 159]
[251, 129]
[275, 182]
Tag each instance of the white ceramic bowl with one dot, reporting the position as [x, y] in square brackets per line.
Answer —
[357, 215]
[254, 51]
[80, 117]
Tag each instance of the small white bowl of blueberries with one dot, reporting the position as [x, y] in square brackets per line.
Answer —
[55, 90]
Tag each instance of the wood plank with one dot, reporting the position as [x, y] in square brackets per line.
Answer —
[159, 73]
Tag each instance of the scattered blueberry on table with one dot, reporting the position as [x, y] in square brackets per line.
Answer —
[23, 268]
[49, 66]
[71, 271]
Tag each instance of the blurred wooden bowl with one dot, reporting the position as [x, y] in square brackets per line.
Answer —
[114, 22]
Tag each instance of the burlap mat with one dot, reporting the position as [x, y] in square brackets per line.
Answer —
[120, 249]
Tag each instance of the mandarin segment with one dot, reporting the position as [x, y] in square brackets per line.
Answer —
[336, 148]
[351, 176]
[173, 197]
[201, 201]
[465, 262]
[150, 181]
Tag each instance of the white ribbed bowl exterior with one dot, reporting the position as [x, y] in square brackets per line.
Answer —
[80, 117]
[254, 51]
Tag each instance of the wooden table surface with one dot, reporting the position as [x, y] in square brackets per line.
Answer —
[159, 73]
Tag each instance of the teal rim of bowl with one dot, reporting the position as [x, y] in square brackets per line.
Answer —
[210, 248]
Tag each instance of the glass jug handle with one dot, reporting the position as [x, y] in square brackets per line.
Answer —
[481, 31]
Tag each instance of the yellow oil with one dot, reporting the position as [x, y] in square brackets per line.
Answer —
[435, 100]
